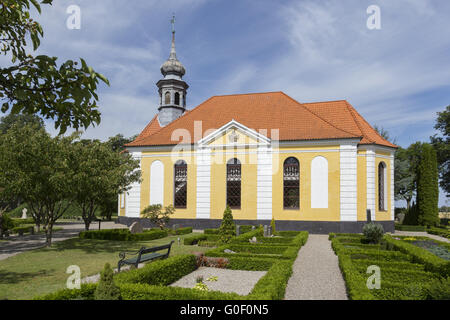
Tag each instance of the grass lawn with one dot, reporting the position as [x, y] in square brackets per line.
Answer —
[42, 271]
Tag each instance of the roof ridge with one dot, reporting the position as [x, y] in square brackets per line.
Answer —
[350, 109]
[246, 94]
[330, 101]
[376, 132]
[326, 121]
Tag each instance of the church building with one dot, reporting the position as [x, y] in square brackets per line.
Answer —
[316, 166]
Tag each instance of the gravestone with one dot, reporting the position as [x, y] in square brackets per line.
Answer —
[238, 230]
[24, 213]
[265, 231]
[136, 227]
[175, 227]
[253, 228]
[269, 231]
[253, 240]
[228, 251]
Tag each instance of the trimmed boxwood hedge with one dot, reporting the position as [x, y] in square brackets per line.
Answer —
[439, 232]
[194, 239]
[151, 282]
[161, 272]
[419, 255]
[179, 231]
[23, 229]
[211, 231]
[123, 235]
[404, 227]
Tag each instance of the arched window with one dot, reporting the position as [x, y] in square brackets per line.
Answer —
[180, 184]
[382, 186]
[177, 98]
[234, 183]
[291, 183]
[167, 98]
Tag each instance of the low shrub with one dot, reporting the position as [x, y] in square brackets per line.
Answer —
[160, 272]
[403, 227]
[438, 289]
[180, 231]
[194, 239]
[429, 260]
[439, 232]
[244, 238]
[250, 263]
[123, 235]
[21, 222]
[23, 229]
[86, 292]
[287, 233]
[272, 286]
[211, 231]
[373, 232]
[209, 244]
[245, 228]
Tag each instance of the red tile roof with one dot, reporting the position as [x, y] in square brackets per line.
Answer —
[267, 111]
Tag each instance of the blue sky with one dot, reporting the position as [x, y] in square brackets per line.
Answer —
[397, 77]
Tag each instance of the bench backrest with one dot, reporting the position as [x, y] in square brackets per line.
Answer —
[154, 249]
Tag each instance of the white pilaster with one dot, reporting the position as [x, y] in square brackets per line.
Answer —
[203, 183]
[348, 194]
[371, 198]
[264, 184]
[133, 197]
[392, 188]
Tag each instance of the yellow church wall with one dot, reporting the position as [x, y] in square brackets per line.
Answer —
[219, 185]
[361, 186]
[305, 212]
[168, 161]
[383, 215]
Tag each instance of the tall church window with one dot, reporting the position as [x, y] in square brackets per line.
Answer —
[180, 184]
[234, 183]
[291, 183]
[382, 186]
[177, 98]
[167, 98]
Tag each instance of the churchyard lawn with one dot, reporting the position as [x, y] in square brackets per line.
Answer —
[37, 272]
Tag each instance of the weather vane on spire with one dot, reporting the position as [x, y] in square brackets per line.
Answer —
[173, 23]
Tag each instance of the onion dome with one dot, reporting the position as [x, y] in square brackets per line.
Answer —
[173, 65]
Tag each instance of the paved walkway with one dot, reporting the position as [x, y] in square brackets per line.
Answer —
[419, 234]
[316, 274]
[17, 244]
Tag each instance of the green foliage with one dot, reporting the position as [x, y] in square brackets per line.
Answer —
[37, 84]
[20, 120]
[404, 175]
[86, 291]
[272, 225]
[106, 289]
[438, 289]
[180, 231]
[6, 223]
[156, 216]
[427, 187]
[439, 232]
[245, 237]
[227, 229]
[194, 239]
[412, 216]
[403, 227]
[442, 146]
[22, 229]
[373, 232]
[245, 228]
[211, 231]
[123, 235]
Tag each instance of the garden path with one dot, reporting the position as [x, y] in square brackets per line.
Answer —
[316, 274]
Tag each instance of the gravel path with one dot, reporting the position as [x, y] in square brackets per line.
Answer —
[238, 281]
[316, 274]
[17, 244]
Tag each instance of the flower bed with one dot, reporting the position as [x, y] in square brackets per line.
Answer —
[402, 276]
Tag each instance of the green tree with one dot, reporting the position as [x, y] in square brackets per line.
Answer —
[8, 121]
[427, 187]
[227, 229]
[404, 177]
[36, 168]
[99, 173]
[37, 85]
[106, 289]
[272, 225]
[385, 134]
[117, 143]
[156, 216]
[442, 145]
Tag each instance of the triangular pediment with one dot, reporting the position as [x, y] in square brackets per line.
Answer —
[234, 134]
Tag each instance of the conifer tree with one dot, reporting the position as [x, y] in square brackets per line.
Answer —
[427, 187]
[227, 229]
[106, 289]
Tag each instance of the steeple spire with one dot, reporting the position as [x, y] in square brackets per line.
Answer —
[173, 54]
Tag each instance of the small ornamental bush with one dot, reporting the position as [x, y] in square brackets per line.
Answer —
[227, 229]
[373, 232]
[106, 289]
[272, 225]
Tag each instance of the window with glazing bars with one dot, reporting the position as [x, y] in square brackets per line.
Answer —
[180, 184]
[381, 186]
[291, 184]
[234, 183]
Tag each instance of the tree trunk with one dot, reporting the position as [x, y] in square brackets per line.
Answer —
[48, 235]
[87, 223]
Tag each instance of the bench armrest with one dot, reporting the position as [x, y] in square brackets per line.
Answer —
[123, 254]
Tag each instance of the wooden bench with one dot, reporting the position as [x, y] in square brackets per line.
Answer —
[144, 254]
